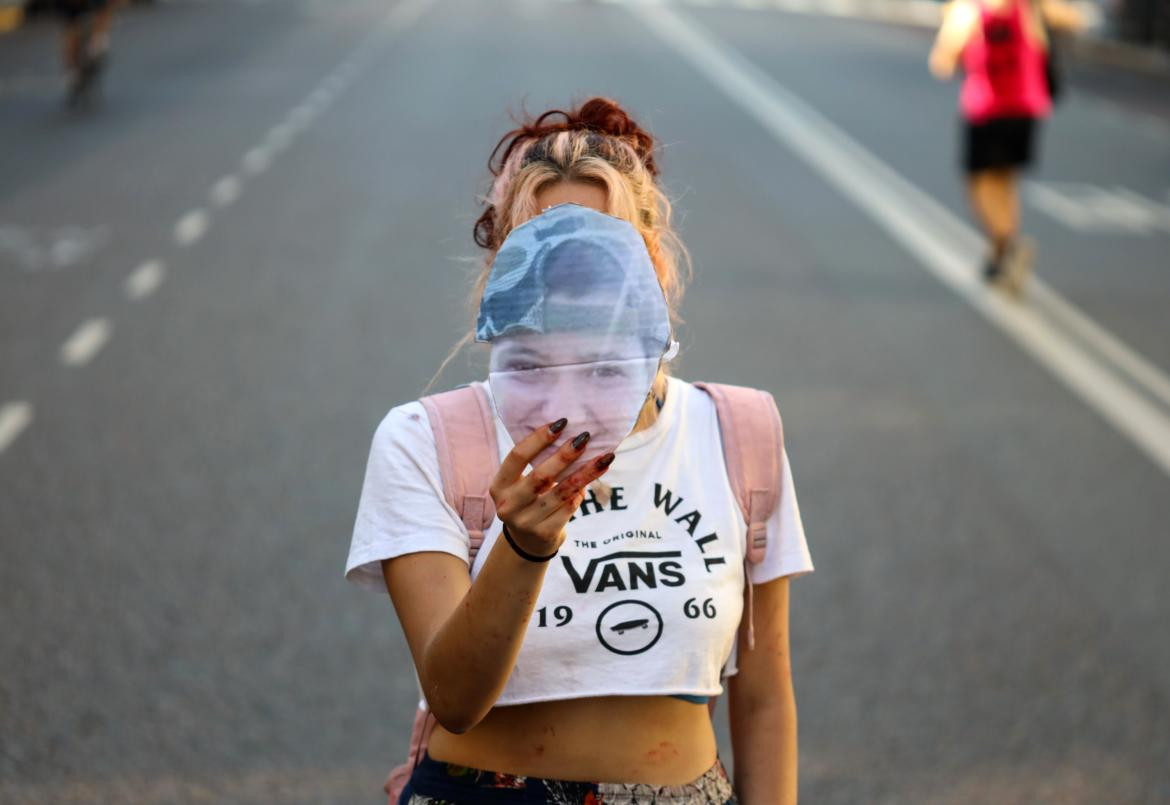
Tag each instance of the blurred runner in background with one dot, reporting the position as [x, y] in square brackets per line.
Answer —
[85, 42]
[1004, 49]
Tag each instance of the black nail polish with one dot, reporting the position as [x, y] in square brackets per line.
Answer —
[579, 442]
[605, 461]
[558, 426]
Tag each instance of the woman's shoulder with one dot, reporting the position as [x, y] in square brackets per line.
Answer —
[406, 420]
[687, 392]
[694, 392]
[407, 424]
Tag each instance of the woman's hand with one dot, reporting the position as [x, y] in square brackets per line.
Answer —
[535, 508]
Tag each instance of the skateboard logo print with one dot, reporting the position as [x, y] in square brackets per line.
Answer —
[629, 627]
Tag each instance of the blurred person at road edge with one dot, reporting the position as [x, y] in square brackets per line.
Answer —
[85, 41]
[1003, 47]
[572, 659]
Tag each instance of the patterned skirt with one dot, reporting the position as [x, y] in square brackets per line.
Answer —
[436, 783]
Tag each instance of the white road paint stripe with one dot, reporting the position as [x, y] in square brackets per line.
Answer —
[226, 191]
[15, 417]
[257, 161]
[191, 227]
[93, 334]
[320, 98]
[300, 117]
[1108, 346]
[279, 137]
[85, 342]
[942, 243]
[406, 13]
[144, 280]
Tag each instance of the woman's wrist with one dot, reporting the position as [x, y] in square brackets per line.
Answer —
[525, 554]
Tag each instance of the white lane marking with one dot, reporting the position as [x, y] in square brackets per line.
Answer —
[191, 227]
[319, 99]
[1158, 215]
[300, 117]
[257, 161]
[14, 418]
[406, 13]
[225, 192]
[279, 137]
[34, 249]
[1092, 209]
[943, 244]
[1107, 345]
[86, 341]
[144, 280]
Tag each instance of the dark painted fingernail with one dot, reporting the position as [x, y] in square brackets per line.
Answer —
[558, 426]
[605, 461]
[579, 442]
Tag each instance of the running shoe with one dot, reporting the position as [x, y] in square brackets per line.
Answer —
[1017, 265]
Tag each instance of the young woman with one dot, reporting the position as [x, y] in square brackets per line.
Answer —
[1003, 46]
[601, 696]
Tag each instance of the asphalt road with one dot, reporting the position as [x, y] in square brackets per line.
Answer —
[215, 283]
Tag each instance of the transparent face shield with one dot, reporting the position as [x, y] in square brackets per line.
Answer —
[578, 327]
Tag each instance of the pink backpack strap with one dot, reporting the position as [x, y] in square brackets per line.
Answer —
[420, 735]
[753, 450]
[465, 439]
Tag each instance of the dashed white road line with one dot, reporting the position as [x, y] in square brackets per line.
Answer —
[144, 280]
[225, 192]
[191, 227]
[279, 137]
[93, 334]
[257, 161]
[14, 418]
[320, 98]
[942, 244]
[86, 341]
[300, 117]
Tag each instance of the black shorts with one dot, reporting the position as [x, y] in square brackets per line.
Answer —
[1003, 142]
[70, 10]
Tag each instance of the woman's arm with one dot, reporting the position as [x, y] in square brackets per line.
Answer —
[464, 637]
[959, 21]
[1062, 16]
[762, 705]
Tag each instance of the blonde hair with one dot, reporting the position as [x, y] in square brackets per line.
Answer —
[595, 143]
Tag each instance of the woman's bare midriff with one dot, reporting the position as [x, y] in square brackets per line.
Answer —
[636, 739]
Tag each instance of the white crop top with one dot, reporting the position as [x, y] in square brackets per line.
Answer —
[646, 593]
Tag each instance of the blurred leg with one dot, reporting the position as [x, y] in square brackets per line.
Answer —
[981, 187]
[71, 47]
[996, 205]
[1011, 202]
[103, 18]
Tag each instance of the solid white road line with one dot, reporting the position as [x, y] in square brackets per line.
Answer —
[14, 418]
[942, 243]
[191, 227]
[144, 280]
[86, 341]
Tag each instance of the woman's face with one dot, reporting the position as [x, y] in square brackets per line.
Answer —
[598, 384]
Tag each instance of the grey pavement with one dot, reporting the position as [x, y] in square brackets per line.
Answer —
[987, 623]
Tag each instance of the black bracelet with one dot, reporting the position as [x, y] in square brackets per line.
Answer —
[523, 554]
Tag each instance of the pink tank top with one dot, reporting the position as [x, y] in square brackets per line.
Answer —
[1004, 67]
